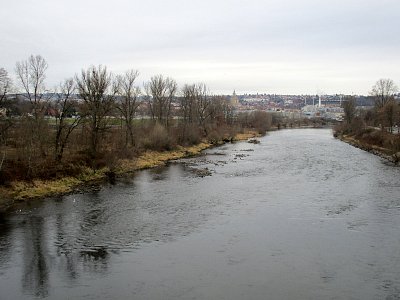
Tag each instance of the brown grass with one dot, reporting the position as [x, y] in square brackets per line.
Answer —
[22, 190]
[39, 188]
[246, 135]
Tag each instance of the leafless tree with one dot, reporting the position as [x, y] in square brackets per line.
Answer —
[160, 93]
[5, 85]
[97, 88]
[5, 122]
[204, 105]
[65, 105]
[261, 120]
[349, 106]
[389, 114]
[188, 104]
[221, 111]
[189, 131]
[383, 92]
[197, 105]
[128, 103]
[31, 74]
[229, 113]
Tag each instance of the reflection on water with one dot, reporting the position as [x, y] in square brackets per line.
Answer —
[300, 215]
[36, 270]
[5, 241]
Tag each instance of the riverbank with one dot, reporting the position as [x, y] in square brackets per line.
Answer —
[21, 191]
[253, 228]
[383, 152]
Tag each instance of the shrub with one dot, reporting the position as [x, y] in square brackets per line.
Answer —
[158, 139]
[187, 135]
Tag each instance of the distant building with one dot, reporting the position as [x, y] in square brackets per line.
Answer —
[309, 110]
[234, 99]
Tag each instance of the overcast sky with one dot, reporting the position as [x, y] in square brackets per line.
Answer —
[282, 46]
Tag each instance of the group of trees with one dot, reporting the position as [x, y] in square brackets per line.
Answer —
[5, 124]
[93, 117]
[387, 108]
[385, 113]
[375, 126]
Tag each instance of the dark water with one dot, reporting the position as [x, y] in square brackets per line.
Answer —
[299, 216]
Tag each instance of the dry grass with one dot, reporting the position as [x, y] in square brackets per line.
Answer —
[247, 135]
[21, 190]
[152, 159]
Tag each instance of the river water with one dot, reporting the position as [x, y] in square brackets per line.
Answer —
[298, 216]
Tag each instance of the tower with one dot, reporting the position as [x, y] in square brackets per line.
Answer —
[234, 99]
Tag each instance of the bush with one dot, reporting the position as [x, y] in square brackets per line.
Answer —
[258, 120]
[375, 137]
[187, 135]
[396, 144]
[214, 137]
[158, 139]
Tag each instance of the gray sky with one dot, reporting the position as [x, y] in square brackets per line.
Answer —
[285, 46]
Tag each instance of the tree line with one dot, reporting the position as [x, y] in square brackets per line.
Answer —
[91, 119]
[378, 125]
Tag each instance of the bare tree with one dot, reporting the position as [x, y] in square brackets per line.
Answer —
[383, 91]
[128, 103]
[5, 122]
[196, 105]
[188, 104]
[221, 111]
[203, 105]
[31, 74]
[188, 113]
[261, 120]
[97, 88]
[160, 93]
[389, 114]
[65, 105]
[349, 106]
[5, 85]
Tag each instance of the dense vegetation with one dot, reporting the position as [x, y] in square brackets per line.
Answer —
[98, 118]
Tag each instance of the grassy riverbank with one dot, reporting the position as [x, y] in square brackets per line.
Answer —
[19, 191]
[375, 141]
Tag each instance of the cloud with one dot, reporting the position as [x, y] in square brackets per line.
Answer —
[266, 46]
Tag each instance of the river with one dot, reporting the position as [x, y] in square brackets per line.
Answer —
[298, 216]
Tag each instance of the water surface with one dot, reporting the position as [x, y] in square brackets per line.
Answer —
[298, 216]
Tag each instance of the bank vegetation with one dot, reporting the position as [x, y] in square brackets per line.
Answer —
[374, 129]
[98, 124]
